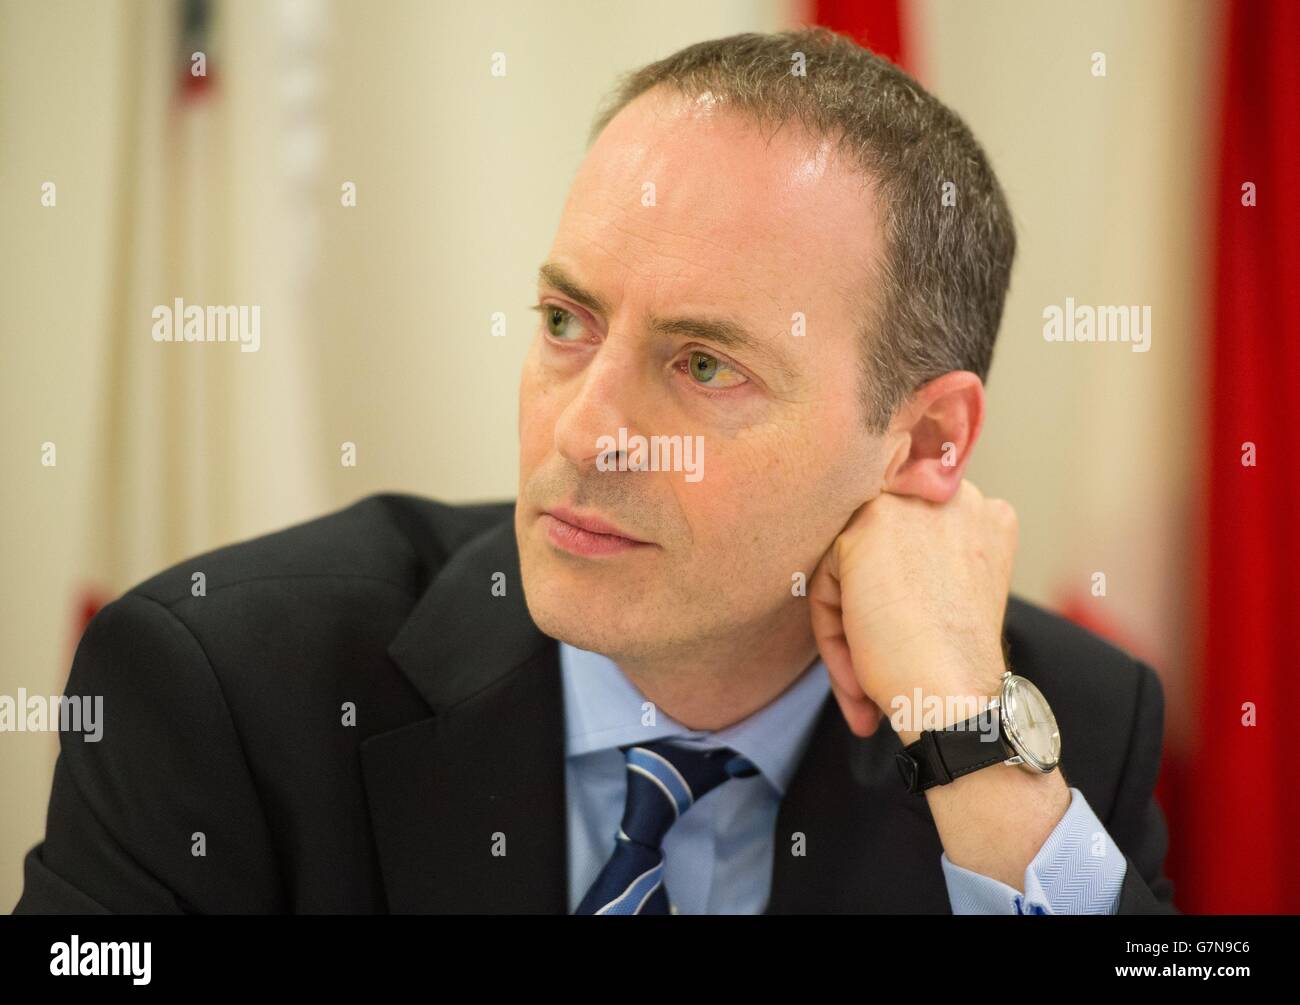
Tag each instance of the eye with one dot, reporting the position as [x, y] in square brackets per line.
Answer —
[560, 324]
[704, 369]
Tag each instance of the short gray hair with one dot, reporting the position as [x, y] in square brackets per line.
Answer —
[943, 277]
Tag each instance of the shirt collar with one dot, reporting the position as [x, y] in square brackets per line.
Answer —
[603, 709]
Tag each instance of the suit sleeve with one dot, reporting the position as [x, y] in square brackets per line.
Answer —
[1136, 822]
[160, 814]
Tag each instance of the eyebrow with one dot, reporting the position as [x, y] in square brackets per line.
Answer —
[554, 275]
[724, 332]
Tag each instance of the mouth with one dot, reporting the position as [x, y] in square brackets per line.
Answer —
[586, 534]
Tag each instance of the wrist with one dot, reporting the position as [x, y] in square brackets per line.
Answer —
[940, 706]
[1019, 730]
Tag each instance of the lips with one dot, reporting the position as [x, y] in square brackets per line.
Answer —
[592, 524]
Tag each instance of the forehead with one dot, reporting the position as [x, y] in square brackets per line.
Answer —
[682, 201]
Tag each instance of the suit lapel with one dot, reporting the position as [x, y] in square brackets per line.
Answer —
[468, 805]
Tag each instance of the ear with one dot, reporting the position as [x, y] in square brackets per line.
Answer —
[936, 431]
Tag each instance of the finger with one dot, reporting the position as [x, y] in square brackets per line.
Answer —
[1005, 525]
[827, 619]
[860, 712]
[1005, 514]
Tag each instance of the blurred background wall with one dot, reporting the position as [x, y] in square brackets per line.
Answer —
[376, 317]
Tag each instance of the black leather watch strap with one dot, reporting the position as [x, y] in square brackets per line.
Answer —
[939, 756]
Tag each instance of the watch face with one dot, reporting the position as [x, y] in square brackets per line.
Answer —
[1031, 724]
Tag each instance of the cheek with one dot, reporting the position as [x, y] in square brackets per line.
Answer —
[770, 465]
[772, 493]
[750, 482]
[537, 414]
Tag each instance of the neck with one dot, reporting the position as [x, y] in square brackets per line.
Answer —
[718, 685]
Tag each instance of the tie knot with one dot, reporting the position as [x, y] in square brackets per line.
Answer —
[664, 780]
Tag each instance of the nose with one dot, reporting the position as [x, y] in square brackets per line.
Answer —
[602, 402]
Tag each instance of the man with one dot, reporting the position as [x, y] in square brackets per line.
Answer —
[646, 687]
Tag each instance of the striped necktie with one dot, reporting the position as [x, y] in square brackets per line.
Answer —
[663, 782]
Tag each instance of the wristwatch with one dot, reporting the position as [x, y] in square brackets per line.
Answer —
[1017, 727]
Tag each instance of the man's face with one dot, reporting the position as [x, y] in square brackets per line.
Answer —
[680, 217]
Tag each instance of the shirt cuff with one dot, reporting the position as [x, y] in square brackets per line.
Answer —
[1079, 870]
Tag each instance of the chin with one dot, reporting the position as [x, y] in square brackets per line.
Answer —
[587, 631]
[564, 611]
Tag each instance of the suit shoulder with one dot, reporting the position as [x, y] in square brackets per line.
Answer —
[1049, 643]
[392, 539]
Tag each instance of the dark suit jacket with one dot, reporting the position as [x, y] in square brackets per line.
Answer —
[224, 732]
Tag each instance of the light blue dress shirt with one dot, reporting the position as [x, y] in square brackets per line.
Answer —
[718, 855]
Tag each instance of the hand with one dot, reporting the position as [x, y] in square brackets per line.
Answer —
[912, 594]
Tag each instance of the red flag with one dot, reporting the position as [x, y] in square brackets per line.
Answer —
[875, 24]
[1242, 843]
